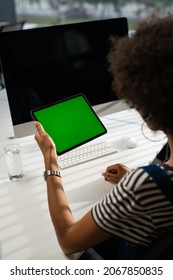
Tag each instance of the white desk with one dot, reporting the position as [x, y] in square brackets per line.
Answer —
[26, 231]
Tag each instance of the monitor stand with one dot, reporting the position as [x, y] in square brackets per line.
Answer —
[25, 129]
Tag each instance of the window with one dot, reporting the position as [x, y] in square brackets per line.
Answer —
[46, 12]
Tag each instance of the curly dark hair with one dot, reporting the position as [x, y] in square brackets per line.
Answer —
[142, 69]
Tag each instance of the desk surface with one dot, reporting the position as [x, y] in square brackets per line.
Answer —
[26, 231]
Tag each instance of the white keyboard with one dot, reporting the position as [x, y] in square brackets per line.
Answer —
[85, 153]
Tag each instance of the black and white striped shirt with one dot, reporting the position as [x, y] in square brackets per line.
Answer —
[135, 210]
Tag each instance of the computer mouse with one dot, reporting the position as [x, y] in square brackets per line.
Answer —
[129, 142]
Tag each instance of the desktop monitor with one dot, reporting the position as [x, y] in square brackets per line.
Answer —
[46, 64]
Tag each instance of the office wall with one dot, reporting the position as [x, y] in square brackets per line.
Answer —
[7, 11]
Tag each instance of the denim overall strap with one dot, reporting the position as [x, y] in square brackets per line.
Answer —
[161, 178]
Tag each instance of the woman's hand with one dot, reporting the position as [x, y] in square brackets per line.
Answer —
[46, 144]
[114, 173]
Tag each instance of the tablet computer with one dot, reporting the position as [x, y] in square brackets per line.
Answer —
[70, 122]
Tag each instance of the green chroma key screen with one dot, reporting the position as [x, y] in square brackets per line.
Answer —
[70, 122]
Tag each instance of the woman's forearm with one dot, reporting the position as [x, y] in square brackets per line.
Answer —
[60, 212]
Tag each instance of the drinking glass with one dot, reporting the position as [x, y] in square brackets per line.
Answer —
[14, 162]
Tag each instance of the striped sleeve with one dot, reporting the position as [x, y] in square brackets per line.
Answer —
[128, 211]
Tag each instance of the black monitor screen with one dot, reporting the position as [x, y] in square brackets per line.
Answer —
[46, 64]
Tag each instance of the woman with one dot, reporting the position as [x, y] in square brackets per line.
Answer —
[136, 211]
